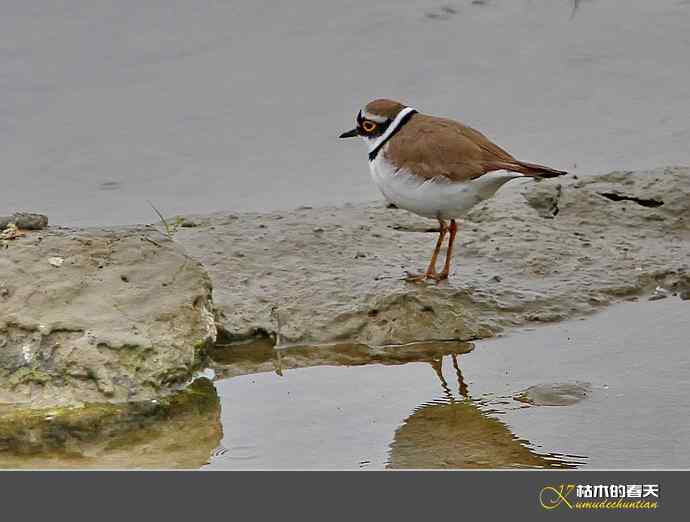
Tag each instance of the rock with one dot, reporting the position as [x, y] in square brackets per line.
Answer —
[74, 332]
[187, 223]
[681, 287]
[659, 293]
[546, 316]
[547, 273]
[56, 261]
[555, 394]
[25, 221]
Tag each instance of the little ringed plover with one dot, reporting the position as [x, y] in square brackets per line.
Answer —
[435, 167]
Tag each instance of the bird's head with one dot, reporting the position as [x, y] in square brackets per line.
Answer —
[374, 119]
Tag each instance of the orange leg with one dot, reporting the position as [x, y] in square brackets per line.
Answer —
[437, 365]
[431, 269]
[449, 253]
[462, 385]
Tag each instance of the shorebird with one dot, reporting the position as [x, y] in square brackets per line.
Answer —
[435, 167]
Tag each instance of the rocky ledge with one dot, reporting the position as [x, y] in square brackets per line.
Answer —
[537, 252]
[93, 316]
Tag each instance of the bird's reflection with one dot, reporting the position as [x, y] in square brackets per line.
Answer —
[455, 432]
[261, 355]
[437, 365]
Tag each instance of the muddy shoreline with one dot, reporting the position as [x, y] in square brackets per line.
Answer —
[536, 252]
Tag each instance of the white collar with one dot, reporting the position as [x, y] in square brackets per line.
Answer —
[398, 122]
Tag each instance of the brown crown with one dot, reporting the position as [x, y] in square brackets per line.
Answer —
[386, 108]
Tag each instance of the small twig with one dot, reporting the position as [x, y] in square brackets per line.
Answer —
[276, 317]
[415, 228]
[278, 363]
[168, 229]
[152, 241]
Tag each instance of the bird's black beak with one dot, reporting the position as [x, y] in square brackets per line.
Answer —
[350, 134]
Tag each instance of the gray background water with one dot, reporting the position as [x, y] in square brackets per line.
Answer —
[236, 104]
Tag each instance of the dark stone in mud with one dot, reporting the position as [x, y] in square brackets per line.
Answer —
[594, 251]
[25, 221]
[188, 223]
[555, 394]
[659, 294]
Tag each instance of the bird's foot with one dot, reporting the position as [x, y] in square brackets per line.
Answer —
[414, 278]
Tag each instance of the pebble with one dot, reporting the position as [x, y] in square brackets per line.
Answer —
[659, 293]
[555, 394]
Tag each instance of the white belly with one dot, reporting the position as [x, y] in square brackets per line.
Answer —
[437, 197]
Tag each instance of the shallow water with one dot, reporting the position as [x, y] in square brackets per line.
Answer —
[609, 391]
[623, 376]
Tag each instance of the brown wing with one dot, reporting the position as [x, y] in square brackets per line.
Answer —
[433, 147]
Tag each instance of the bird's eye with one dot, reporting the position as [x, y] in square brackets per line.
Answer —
[368, 125]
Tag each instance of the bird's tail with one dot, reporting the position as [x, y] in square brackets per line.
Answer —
[536, 171]
[528, 169]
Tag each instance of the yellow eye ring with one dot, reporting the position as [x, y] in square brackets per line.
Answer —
[368, 126]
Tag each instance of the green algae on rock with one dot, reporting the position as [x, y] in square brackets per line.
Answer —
[177, 431]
